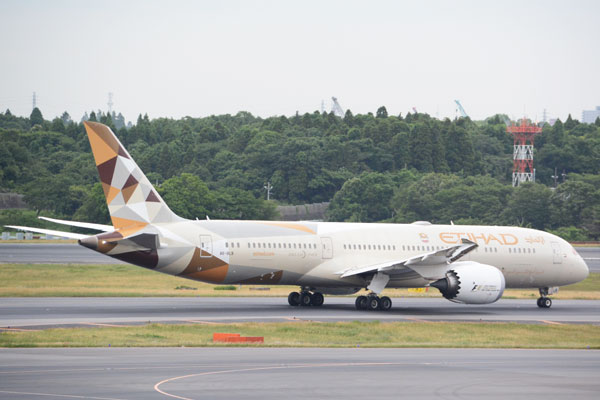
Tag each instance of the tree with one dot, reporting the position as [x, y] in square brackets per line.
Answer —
[381, 112]
[570, 123]
[570, 203]
[529, 206]
[93, 208]
[66, 118]
[188, 196]
[36, 117]
[365, 198]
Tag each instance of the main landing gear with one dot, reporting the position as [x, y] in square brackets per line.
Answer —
[305, 298]
[543, 301]
[373, 302]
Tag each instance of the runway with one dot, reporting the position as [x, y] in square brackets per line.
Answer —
[35, 253]
[41, 313]
[308, 373]
[42, 253]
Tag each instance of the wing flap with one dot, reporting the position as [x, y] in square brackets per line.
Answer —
[431, 265]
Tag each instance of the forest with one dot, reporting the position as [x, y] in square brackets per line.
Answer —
[370, 167]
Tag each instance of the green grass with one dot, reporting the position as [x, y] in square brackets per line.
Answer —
[591, 283]
[314, 334]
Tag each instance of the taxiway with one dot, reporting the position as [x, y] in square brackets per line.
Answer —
[40, 313]
[308, 373]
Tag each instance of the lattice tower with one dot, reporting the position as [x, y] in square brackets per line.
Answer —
[523, 135]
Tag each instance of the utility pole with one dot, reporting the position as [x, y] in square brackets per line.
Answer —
[110, 103]
[34, 101]
[268, 187]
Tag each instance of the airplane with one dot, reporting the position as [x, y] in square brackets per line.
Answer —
[467, 264]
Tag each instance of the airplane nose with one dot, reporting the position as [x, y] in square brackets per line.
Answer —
[581, 269]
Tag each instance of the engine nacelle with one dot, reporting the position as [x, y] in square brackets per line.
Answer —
[470, 282]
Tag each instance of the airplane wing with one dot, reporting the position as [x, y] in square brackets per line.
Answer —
[69, 235]
[431, 265]
[88, 225]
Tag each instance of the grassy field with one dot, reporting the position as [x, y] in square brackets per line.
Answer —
[41, 280]
[313, 334]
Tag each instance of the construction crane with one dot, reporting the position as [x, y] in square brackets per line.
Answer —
[463, 113]
[336, 109]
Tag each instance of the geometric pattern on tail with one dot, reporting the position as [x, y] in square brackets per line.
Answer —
[132, 201]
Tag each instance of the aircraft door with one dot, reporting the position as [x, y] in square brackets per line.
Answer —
[206, 246]
[327, 246]
[556, 253]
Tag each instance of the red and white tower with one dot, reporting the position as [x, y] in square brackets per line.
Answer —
[523, 135]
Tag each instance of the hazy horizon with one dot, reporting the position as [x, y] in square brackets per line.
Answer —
[200, 58]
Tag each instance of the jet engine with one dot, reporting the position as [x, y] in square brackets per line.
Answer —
[470, 282]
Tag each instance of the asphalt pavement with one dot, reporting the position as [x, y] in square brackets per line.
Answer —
[41, 313]
[307, 373]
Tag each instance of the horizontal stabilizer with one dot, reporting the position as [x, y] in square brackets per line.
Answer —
[69, 235]
[87, 225]
[142, 240]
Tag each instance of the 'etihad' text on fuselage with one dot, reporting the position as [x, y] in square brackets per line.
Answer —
[503, 239]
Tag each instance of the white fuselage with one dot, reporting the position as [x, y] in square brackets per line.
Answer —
[317, 253]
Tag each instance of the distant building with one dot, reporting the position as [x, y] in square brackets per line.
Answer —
[589, 116]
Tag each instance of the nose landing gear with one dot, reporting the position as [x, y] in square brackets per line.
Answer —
[544, 301]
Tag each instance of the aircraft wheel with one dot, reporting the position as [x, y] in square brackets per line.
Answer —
[361, 303]
[385, 303]
[305, 299]
[544, 302]
[317, 299]
[373, 303]
[547, 302]
[294, 299]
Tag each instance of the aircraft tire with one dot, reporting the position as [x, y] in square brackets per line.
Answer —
[361, 303]
[547, 302]
[317, 299]
[305, 299]
[294, 299]
[385, 303]
[544, 302]
[373, 303]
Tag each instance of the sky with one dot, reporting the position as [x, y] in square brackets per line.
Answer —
[198, 58]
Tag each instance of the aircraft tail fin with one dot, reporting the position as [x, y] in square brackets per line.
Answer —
[132, 201]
